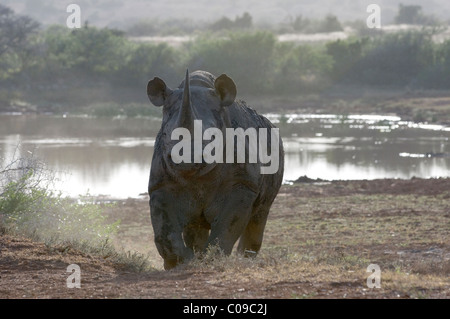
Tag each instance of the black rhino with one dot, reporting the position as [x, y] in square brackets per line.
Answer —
[198, 202]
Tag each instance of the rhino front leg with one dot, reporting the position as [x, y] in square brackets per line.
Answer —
[195, 237]
[231, 212]
[167, 215]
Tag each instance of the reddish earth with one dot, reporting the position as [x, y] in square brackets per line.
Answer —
[31, 269]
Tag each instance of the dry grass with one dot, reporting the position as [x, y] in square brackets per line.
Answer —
[318, 243]
[327, 242]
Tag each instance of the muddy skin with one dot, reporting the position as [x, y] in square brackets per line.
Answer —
[194, 205]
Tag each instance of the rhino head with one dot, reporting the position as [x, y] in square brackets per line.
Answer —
[200, 96]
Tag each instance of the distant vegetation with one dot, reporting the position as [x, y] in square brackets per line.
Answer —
[59, 68]
[245, 22]
[413, 14]
[304, 25]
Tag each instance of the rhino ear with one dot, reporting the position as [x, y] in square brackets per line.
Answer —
[226, 89]
[157, 91]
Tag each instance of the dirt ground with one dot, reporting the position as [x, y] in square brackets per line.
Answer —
[319, 241]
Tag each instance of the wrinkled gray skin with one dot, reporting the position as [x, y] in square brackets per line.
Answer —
[196, 205]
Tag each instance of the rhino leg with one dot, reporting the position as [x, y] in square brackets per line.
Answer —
[231, 217]
[168, 225]
[251, 239]
[195, 237]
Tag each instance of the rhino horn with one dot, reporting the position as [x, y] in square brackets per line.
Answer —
[186, 116]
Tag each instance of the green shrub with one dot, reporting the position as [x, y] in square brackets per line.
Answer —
[300, 68]
[146, 61]
[246, 57]
[437, 75]
[397, 59]
[28, 206]
[346, 55]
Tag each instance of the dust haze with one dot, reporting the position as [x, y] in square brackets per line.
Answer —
[120, 14]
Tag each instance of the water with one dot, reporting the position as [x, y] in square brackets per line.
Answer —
[113, 156]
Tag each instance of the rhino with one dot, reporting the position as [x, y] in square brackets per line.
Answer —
[197, 204]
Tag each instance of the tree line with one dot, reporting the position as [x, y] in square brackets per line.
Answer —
[58, 60]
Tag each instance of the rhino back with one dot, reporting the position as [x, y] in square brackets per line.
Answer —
[241, 115]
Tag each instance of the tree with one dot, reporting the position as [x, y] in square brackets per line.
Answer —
[222, 24]
[300, 24]
[330, 24]
[397, 59]
[408, 14]
[244, 22]
[246, 57]
[146, 61]
[16, 48]
[412, 14]
[346, 54]
[93, 51]
[300, 68]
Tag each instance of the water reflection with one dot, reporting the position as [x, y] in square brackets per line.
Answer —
[113, 156]
[352, 161]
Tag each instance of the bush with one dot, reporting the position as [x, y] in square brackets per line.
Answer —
[245, 57]
[412, 14]
[397, 59]
[244, 22]
[345, 54]
[304, 25]
[94, 51]
[330, 24]
[300, 68]
[58, 66]
[28, 206]
[437, 75]
[259, 64]
[146, 61]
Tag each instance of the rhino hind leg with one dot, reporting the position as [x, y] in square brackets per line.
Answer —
[251, 239]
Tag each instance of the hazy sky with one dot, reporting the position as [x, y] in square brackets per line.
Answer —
[119, 13]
